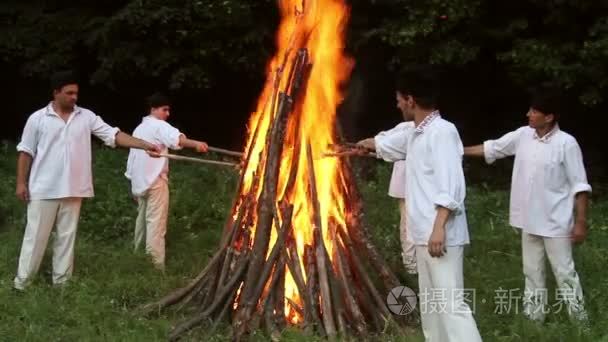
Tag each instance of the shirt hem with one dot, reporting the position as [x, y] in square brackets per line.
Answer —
[54, 197]
[541, 234]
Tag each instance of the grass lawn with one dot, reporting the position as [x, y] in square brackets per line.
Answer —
[111, 281]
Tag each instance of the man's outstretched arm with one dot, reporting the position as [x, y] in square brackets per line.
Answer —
[474, 151]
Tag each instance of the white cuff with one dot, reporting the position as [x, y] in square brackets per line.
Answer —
[446, 201]
[488, 151]
[379, 153]
[22, 148]
[112, 140]
[581, 187]
[175, 145]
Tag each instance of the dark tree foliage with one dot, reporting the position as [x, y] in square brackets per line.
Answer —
[212, 55]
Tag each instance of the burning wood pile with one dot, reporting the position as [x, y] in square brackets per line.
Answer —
[294, 249]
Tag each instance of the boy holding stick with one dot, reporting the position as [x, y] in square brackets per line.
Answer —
[149, 176]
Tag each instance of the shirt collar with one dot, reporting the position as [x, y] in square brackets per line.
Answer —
[427, 121]
[546, 137]
[151, 117]
[51, 111]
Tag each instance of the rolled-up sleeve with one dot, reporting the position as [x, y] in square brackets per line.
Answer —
[169, 136]
[575, 169]
[103, 131]
[392, 145]
[503, 147]
[447, 152]
[29, 138]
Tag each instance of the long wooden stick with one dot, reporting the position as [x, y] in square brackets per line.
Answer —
[322, 267]
[353, 153]
[223, 151]
[198, 160]
[312, 288]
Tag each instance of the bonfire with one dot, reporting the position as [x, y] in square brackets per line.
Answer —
[295, 250]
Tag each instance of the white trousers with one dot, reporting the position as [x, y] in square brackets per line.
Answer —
[408, 248]
[151, 223]
[42, 215]
[445, 315]
[569, 291]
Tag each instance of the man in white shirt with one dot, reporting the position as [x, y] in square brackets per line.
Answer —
[549, 184]
[436, 219]
[149, 176]
[397, 190]
[54, 175]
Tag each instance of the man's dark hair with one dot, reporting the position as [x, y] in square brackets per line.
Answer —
[158, 100]
[62, 78]
[547, 99]
[422, 83]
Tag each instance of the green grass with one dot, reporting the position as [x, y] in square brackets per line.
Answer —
[111, 281]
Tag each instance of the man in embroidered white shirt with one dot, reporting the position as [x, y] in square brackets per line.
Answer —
[436, 218]
[149, 176]
[54, 175]
[549, 184]
[397, 190]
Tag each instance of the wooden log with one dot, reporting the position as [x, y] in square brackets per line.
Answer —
[312, 289]
[369, 309]
[177, 295]
[299, 74]
[239, 208]
[198, 318]
[360, 234]
[335, 286]
[269, 302]
[295, 306]
[389, 279]
[265, 209]
[218, 301]
[218, 278]
[261, 280]
[337, 301]
[274, 254]
[183, 328]
[362, 274]
[211, 290]
[232, 284]
[224, 315]
[279, 303]
[230, 250]
[293, 262]
[294, 167]
[320, 252]
[347, 282]
[300, 79]
[202, 295]
[203, 286]
[271, 326]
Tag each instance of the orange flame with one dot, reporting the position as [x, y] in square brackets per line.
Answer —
[319, 26]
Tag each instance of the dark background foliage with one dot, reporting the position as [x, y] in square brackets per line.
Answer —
[211, 56]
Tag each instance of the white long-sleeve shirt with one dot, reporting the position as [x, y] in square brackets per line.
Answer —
[434, 177]
[396, 186]
[61, 152]
[142, 169]
[548, 172]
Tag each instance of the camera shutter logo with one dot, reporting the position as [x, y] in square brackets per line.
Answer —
[401, 300]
